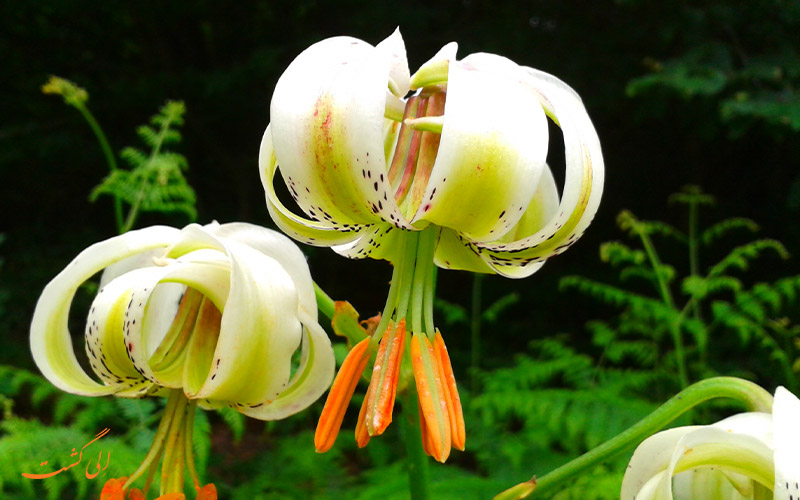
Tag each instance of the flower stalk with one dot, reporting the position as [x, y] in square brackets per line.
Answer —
[750, 395]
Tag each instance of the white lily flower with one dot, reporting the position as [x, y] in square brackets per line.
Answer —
[215, 311]
[747, 456]
[466, 152]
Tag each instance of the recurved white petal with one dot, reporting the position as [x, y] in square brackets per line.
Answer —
[313, 377]
[51, 343]
[786, 428]
[453, 251]
[280, 248]
[259, 330]
[378, 242]
[583, 182]
[698, 447]
[651, 458]
[394, 49]
[327, 118]
[491, 155]
[322, 231]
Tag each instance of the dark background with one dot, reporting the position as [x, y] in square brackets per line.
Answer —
[223, 59]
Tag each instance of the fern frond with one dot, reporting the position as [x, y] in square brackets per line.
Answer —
[148, 135]
[616, 296]
[691, 194]
[788, 287]
[633, 226]
[155, 181]
[740, 257]
[493, 312]
[133, 157]
[617, 253]
[453, 313]
[724, 227]
[700, 287]
[234, 420]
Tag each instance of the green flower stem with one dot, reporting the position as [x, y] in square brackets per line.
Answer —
[110, 160]
[416, 459]
[753, 397]
[157, 447]
[325, 303]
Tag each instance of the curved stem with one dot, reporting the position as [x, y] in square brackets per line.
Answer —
[749, 394]
[325, 303]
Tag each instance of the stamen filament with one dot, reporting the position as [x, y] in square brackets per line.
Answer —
[330, 421]
[410, 257]
[154, 453]
[171, 446]
[187, 439]
[403, 143]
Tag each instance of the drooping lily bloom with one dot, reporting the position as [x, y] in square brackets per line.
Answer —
[208, 315]
[454, 175]
[747, 456]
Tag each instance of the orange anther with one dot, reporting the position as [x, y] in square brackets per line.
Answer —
[207, 492]
[457, 429]
[385, 374]
[136, 494]
[427, 446]
[330, 421]
[112, 490]
[430, 391]
[362, 434]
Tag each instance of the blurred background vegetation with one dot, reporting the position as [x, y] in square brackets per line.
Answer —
[698, 93]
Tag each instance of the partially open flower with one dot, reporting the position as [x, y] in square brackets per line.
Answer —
[453, 175]
[209, 315]
[747, 456]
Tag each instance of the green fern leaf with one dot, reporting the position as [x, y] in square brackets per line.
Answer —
[722, 228]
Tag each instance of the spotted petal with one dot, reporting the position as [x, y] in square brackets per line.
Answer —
[51, 343]
[257, 341]
[328, 121]
[491, 155]
[583, 180]
[312, 378]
